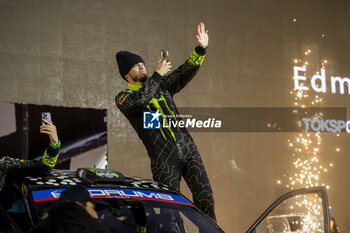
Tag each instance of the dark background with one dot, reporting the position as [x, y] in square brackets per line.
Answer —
[62, 53]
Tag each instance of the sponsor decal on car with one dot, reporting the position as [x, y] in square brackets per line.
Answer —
[54, 194]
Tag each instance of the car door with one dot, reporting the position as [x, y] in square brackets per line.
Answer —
[298, 211]
[6, 223]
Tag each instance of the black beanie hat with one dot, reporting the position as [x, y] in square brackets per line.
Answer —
[126, 61]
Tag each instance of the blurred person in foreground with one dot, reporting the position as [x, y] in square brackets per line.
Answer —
[74, 212]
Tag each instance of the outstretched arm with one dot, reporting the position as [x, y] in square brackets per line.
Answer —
[50, 129]
[51, 153]
[14, 169]
[180, 77]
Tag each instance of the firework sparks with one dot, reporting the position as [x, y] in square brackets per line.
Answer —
[308, 170]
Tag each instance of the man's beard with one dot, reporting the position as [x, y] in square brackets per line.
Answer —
[140, 78]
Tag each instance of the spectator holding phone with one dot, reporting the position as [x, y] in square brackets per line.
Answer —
[14, 169]
[51, 153]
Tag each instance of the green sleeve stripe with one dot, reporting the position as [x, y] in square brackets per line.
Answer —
[49, 161]
[140, 228]
[154, 101]
[195, 59]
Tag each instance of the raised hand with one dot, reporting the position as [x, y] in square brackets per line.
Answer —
[202, 35]
[50, 129]
[163, 66]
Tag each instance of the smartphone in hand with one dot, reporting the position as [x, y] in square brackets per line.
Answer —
[165, 55]
[45, 116]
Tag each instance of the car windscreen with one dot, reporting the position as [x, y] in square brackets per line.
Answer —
[134, 210]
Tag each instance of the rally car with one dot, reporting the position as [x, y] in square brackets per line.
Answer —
[136, 201]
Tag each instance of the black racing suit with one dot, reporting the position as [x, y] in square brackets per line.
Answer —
[172, 150]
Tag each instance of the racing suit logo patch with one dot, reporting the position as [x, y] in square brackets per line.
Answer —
[151, 120]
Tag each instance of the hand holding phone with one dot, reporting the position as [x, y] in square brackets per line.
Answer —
[164, 65]
[45, 116]
[165, 55]
[48, 127]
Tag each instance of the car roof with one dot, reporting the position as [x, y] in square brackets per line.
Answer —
[92, 177]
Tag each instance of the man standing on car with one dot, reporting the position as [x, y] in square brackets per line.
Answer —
[172, 150]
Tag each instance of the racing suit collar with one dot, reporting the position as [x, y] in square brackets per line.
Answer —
[134, 87]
